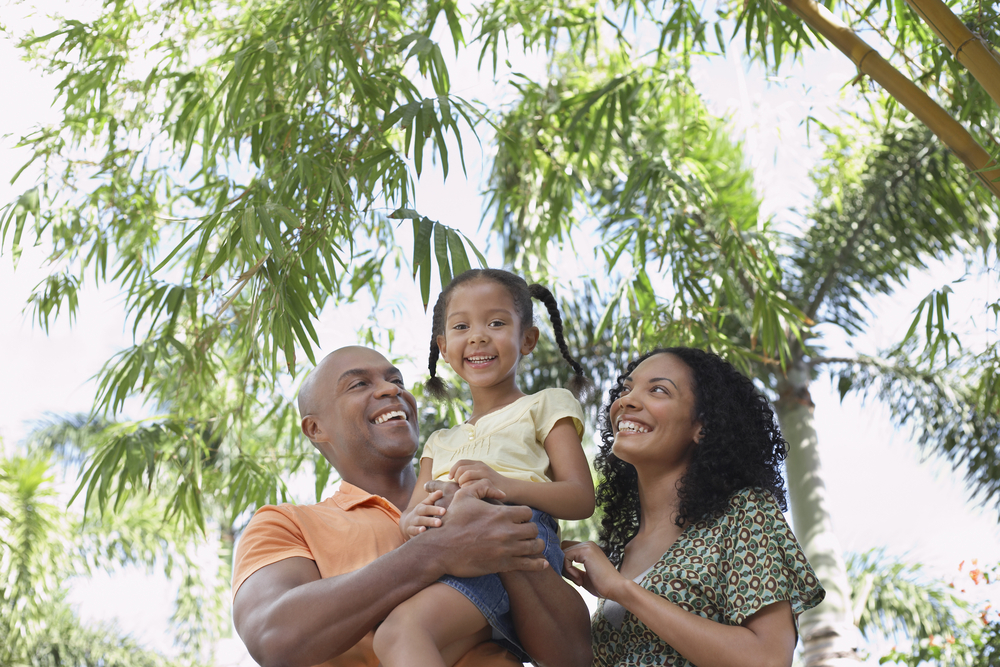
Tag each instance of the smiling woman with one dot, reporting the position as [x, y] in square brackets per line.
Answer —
[701, 567]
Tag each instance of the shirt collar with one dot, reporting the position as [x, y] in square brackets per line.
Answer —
[349, 496]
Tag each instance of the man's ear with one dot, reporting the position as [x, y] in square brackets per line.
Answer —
[311, 428]
[530, 340]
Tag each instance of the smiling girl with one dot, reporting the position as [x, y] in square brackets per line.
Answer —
[525, 449]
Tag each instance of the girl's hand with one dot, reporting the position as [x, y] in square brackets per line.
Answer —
[601, 579]
[466, 472]
[423, 516]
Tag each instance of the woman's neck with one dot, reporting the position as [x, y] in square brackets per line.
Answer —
[659, 500]
[490, 399]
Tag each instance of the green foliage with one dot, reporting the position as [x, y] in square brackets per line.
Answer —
[885, 208]
[43, 547]
[629, 148]
[895, 600]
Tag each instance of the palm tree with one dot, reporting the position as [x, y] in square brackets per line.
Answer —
[42, 548]
[895, 600]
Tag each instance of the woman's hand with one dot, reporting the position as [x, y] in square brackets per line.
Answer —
[601, 579]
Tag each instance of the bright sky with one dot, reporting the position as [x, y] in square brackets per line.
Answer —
[882, 494]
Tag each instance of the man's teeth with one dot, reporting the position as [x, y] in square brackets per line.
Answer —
[389, 415]
[632, 427]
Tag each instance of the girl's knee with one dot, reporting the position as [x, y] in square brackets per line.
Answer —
[397, 629]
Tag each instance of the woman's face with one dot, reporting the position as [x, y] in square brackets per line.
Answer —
[653, 418]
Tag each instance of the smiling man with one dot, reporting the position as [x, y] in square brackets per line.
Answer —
[311, 582]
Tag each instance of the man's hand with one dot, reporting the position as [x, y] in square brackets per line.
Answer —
[478, 538]
[425, 515]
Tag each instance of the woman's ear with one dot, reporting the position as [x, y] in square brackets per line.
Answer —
[529, 340]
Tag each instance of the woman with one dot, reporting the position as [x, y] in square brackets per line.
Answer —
[700, 566]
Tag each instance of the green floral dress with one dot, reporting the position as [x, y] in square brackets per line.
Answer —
[724, 568]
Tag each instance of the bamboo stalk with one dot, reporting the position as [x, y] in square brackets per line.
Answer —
[963, 44]
[929, 112]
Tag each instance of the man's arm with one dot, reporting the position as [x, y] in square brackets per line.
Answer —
[290, 617]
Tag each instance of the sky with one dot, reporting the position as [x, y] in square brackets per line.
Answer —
[882, 492]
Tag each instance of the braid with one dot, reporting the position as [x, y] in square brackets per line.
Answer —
[435, 385]
[579, 381]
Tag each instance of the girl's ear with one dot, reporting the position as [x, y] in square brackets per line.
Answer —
[442, 347]
[529, 341]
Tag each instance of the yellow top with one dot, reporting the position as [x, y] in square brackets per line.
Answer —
[509, 440]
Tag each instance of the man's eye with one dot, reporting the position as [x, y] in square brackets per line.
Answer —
[398, 381]
[359, 383]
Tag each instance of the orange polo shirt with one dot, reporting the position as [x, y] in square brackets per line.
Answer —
[341, 534]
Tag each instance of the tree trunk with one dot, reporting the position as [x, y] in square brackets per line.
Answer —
[930, 113]
[829, 636]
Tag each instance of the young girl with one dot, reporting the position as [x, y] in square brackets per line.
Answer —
[527, 447]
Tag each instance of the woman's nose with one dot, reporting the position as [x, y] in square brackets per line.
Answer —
[627, 401]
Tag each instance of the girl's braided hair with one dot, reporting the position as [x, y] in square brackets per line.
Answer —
[740, 446]
[521, 293]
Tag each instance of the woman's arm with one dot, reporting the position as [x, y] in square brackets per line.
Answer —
[570, 494]
[765, 639]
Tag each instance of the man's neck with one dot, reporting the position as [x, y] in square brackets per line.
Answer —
[396, 487]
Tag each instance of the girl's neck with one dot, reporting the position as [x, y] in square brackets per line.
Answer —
[490, 399]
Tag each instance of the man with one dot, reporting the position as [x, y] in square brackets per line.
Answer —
[311, 582]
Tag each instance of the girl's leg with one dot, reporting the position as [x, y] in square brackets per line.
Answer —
[434, 628]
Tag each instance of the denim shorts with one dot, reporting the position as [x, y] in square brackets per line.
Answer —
[488, 594]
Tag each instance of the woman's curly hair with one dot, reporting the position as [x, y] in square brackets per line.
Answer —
[739, 446]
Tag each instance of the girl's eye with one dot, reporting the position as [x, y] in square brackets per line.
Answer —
[460, 327]
[497, 323]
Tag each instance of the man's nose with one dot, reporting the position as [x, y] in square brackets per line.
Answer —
[387, 388]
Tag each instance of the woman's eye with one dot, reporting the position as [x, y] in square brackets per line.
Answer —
[625, 390]
[661, 390]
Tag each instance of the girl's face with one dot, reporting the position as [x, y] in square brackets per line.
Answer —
[653, 418]
[483, 338]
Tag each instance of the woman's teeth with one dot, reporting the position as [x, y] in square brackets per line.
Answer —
[631, 427]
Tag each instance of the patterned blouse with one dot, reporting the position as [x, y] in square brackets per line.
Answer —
[725, 568]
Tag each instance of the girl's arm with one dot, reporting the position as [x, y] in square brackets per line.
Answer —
[765, 639]
[421, 513]
[570, 494]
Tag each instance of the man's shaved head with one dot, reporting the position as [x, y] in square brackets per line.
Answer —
[342, 403]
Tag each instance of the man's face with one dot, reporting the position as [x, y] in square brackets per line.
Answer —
[363, 415]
